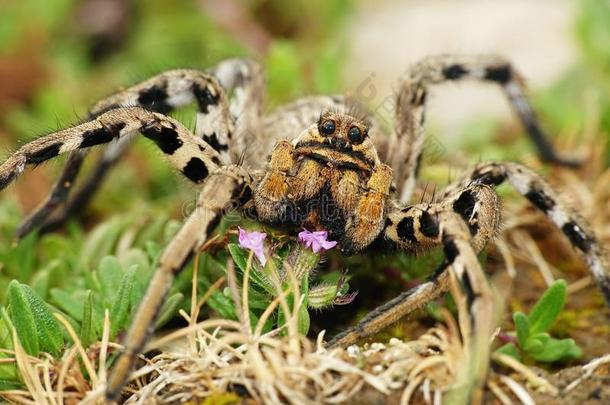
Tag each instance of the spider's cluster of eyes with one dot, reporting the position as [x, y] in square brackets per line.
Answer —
[328, 127]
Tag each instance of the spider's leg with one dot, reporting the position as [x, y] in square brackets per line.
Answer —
[279, 194]
[420, 227]
[162, 93]
[366, 212]
[533, 187]
[244, 82]
[58, 195]
[191, 155]
[224, 190]
[407, 140]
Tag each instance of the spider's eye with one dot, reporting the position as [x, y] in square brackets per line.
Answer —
[327, 127]
[355, 135]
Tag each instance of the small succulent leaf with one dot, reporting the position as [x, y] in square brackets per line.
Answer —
[548, 307]
[86, 326]
[153, 250]
[67, 303]
[522, 327]
[536, 343]
[6, 329]
[110, 274]
[134, 256]
[533, 345]
[575, 352]
[257, 278]
[40, 282]
[169, 309]
[101, 241]
[217, 301]
[23, 318]
[556, 350]
[509, 349]
[119, 311]
[50, 334]
[8, 385]
[303, 320]
[239, 256]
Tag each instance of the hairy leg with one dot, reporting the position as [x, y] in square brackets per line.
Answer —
[192, 156]
[366, 219]
[420, 227]
[407, 141]
[533, 187]
[162, 93]
[225, 189]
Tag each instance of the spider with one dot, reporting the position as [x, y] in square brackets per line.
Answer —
[326, 171]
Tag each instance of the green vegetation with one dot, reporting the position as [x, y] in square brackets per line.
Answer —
[531, 330]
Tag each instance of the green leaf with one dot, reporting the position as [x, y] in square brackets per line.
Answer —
[239, 256]
[169, 309]
[509, 349]
[547, 308]
[6, 385]
[23, 318]
[110, 274]
[536, 343]
[50, 335]
[69, 304]
[86, 327]
[556, 350]
[303, 320]
[101, 241]
[119, 312]
[522, 327]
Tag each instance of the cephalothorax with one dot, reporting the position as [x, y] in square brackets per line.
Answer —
[330, 168]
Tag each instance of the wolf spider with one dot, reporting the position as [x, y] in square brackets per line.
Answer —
[331, 176]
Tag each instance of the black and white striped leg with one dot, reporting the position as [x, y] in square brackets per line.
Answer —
[244, 83]
[533, 187]
[424, 226]
[162, 93]
[408, 138]
[57, 196]
[192, 156]
[226, 189]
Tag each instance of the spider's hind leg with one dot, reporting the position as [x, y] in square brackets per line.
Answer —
[407, 141]
[533, 187]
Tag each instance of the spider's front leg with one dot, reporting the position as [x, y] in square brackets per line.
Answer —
[366, 214]
[271, 196]
[226, 189]
[162, 93]
[421, 227]
[407, 141]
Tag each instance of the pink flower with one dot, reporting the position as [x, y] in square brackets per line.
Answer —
[317, 241]
[253, 241]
